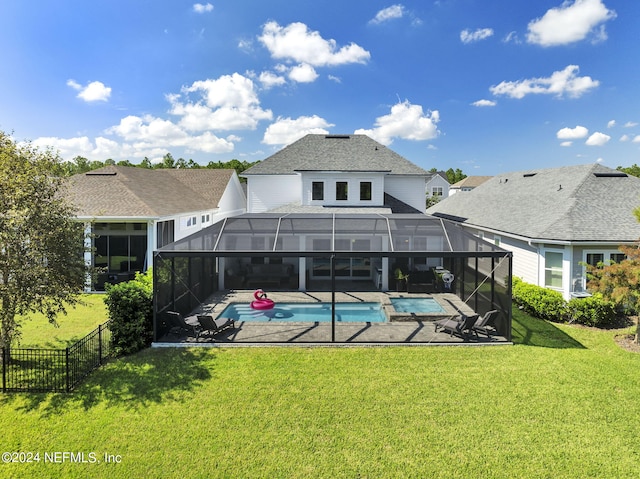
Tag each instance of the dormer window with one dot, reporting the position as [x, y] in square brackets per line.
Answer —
[342, 190]
[317, 190]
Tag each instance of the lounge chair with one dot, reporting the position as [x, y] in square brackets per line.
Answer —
[214, 326]
[178, 324]
[482, 324]
[462, 325]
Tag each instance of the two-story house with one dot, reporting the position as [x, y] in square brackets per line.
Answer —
[339, 171]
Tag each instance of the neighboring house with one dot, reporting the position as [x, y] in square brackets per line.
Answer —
[468, 184]
[438, 185]
[553, 220]
[319, 172]
[131, 211]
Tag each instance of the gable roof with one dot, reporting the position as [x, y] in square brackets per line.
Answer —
[573, 203]
[347, 153]
[471, 182]
[125, 191]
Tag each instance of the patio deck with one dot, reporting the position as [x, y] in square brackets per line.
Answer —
[402, 328]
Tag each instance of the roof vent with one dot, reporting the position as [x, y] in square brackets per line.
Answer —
[529, 175]
[613, 174]
[337, 137]
[101, 173]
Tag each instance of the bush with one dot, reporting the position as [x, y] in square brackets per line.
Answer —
[592, 311]
[539, 302]
[130, 306]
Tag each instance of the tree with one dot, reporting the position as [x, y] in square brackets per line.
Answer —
[620, 282]
[633, 170]
[42, 266]
[453, 176]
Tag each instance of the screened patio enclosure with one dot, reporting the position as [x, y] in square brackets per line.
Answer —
[332, 252]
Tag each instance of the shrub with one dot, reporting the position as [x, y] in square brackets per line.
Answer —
[539, 302]
[592, 311]
[130, 306]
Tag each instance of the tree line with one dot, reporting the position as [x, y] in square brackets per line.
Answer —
[81, 164]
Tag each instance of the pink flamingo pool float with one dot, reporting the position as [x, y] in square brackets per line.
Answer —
[261, 301]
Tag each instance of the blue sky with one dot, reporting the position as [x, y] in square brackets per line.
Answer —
[487, 86]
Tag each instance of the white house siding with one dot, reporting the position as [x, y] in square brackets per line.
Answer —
[353, 196]
[232, 202]
[409, 189]
[438, 181]
[525, 259]
[271, 191]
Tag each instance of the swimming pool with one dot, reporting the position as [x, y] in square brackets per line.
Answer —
[307, 312]
[416, 305]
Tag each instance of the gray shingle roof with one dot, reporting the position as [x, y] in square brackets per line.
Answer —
[573, 203]
[335, 153]
[140, 192]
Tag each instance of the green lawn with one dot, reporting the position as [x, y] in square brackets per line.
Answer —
[562, 403]
[77, 323]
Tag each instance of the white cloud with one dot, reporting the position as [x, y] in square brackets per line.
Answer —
[285, 131]
[630, 124]
[566, 143]
[597, 139]
[611, 124]
[467, 36]
[389, 13]
[572, 133]
[569, 23]
[483, 103]
[625, 138]
[202, 8]
[303, 73]
[511, 37]
[227, 103]
[270, 80]
[560, 83]
[297, 43]
[636, 139]
[406, 121]
[334, 78]
[94, 91]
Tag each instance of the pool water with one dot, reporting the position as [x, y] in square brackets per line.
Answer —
[308, 312]
[416, 305]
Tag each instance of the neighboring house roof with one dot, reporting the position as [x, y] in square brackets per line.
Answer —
[590, 203]
[346, 153]
[441, 174]
[124, 191]
[470, 182]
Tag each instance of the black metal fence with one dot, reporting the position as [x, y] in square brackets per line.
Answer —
[55, 370]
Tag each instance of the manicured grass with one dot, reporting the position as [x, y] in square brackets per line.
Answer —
[79, 321]
[561, 403]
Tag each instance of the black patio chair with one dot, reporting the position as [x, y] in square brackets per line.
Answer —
[178, 324]
[214, 326]
[461, 326]
[482, 324]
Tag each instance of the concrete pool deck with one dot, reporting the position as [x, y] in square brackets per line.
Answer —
[402, 328]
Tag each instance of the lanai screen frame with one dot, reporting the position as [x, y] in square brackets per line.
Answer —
[199, 254]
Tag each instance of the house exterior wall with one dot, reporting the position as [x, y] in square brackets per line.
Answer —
[353, 180]
[438, 182]
[271, 191]
[410, 189]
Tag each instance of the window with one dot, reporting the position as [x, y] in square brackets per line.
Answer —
[603, 258]
[497, 240]
[342, 188]
[553, 270]
[365, 191]
[317, 190]
[164, 232]
[437, 191]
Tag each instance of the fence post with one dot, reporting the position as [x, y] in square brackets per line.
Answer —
[4, 370]
[67, 368]
[100, 344]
